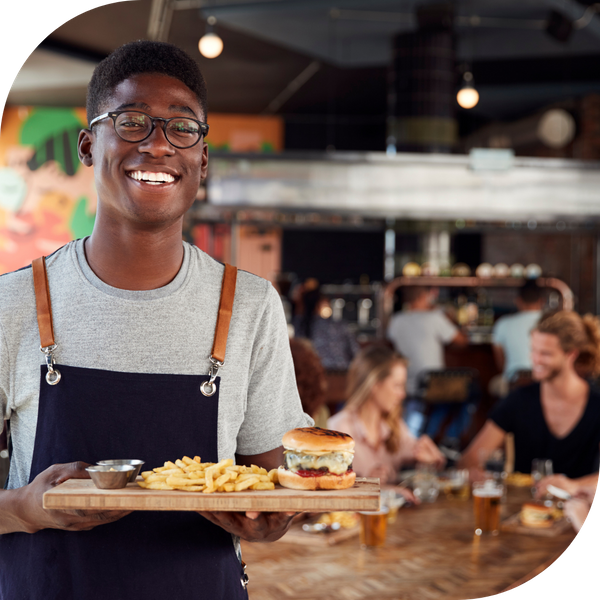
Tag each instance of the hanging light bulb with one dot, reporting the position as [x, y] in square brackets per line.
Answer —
[210, 44]
[467, 96]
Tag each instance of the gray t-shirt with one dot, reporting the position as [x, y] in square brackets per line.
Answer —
[167, 330]
[420, 336]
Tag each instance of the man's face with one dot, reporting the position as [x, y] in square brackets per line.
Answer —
[123, 198]
[548, 358]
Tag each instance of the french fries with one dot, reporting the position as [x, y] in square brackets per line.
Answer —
[192, 475]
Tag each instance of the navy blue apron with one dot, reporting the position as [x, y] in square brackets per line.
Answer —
[91, 415]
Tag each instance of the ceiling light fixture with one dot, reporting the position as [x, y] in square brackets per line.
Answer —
[467, 96]
[210, 44]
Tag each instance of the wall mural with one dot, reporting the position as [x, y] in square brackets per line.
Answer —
[47, 197]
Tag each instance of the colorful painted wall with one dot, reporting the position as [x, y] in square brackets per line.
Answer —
[47, 197]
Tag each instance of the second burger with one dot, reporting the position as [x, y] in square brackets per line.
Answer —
[317, 459]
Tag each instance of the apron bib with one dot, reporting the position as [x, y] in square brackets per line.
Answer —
[91, 415]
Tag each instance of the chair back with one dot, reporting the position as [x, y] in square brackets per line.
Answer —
[446, 385]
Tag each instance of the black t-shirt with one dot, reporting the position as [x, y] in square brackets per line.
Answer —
[575, 455]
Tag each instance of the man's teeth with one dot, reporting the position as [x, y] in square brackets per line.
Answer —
[149, 177]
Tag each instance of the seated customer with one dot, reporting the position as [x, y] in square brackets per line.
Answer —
[372, 416]
[420, 333]
[558, 417]
[311, 380]
[511, 343]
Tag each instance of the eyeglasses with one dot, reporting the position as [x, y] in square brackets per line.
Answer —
[135, 126]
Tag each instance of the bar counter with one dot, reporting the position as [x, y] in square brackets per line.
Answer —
[430, 553]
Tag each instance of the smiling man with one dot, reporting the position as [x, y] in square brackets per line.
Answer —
[131, 366]
[558, 417]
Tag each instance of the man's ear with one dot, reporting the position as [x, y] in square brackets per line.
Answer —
[572, 356]
[84, 147]
[204, 166]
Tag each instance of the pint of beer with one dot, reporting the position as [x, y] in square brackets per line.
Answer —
[487, 496]
[373, 527]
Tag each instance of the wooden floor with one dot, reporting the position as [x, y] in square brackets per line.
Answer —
[430, 553]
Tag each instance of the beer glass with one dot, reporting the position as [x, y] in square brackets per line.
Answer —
[487, 496]
[373, 527]
[425, 483]
[455, 484]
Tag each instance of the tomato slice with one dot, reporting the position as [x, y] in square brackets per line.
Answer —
[313, 473]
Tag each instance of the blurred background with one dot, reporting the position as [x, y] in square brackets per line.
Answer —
[368, 145]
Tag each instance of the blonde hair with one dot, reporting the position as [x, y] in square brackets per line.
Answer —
[575, 332]
[369, 367]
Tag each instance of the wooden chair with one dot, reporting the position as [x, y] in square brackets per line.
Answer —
[451, 388]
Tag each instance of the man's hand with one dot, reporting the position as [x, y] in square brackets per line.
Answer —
[31, 515]
[576, 510]
[559, 481]
[427, 452]
[253, 526]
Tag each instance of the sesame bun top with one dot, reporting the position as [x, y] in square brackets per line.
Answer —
[315, 439]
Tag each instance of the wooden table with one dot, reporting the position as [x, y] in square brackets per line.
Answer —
[430, 553]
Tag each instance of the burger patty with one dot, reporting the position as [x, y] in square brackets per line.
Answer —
[334, 462]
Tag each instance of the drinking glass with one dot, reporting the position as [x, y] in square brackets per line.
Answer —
[540, 468]
[487, 496]
[373, 527]
[455, 484]
[425, 483]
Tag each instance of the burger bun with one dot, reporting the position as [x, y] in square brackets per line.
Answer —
[291, 480]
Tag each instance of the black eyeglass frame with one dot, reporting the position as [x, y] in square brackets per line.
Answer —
[113, 115]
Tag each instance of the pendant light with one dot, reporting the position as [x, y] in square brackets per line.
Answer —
[467, 96]
[210, 44]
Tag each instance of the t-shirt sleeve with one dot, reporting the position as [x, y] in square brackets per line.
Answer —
[273, 405]
[446, 330]
[4, 380]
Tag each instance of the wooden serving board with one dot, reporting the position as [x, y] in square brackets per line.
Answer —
[513, 524]
[82, 494]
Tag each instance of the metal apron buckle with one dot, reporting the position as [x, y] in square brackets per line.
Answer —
[208, 388]
[53, 375]
[245, 578]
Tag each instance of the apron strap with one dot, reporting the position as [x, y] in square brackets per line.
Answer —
[44, 317]
[42, 302]
[225, 311]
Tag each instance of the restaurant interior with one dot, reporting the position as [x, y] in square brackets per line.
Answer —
[363, 152]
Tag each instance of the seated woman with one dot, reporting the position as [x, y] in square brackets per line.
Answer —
[558, 417]
[372, 416]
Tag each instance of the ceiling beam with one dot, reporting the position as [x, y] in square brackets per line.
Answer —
[159, 23]
[574, 11]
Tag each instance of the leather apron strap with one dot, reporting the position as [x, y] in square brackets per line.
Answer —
[44, 308]
[42, 302]
[225, 311]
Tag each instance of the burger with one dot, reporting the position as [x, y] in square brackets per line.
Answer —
[317, 459]
[537, 515]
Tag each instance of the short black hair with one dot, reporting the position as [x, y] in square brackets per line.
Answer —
[530, 292]
[143, 57]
